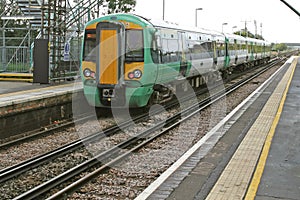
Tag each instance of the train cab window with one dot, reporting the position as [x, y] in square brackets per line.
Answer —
[134, 46]
[89, 51]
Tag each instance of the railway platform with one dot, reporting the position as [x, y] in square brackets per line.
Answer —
[26, 106]
[253, 153]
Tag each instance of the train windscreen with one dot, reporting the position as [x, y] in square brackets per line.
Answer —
[90, 49]
[134, 46]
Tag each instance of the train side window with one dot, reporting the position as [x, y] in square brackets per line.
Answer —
[165, 53]
[231, 49]
[173, 48]
[220, 49]
[170, 49]
[210, 49]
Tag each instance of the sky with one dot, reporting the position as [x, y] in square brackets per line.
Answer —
[279, 22]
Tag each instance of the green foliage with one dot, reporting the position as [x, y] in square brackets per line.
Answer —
[117, 6]
[249, 34]
[279, 47]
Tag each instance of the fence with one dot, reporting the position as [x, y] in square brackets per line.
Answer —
[69, 67]
[19, 59]
[15, 59]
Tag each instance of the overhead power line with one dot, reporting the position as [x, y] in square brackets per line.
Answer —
[288, 5]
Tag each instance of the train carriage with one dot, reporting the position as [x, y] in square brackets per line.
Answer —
[128, 61]
[237, 49]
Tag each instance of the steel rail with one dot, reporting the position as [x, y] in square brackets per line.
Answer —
[15, 170]
[64, 125]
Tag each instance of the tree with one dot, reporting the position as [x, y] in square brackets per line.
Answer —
[280, 47]
[249, 34]
[117, 6]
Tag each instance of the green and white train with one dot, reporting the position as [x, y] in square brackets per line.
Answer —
[130, 61]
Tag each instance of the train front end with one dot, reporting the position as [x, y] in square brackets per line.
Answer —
[115, 69]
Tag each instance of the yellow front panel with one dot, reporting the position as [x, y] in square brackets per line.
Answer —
[108, 57]
[88, 65]
[130, 67]
[128, 25]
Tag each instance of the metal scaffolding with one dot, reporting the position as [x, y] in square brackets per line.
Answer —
[59, 21]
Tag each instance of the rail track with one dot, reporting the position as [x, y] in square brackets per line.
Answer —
[85, 117]
[110, 156]
[5, 143]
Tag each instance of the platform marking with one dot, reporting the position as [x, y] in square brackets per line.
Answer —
[252, 190]
[50, 88]
[39, 93]
[234, 180]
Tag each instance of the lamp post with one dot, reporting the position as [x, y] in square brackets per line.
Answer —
[196, 15]
[234, 27]
[224, 24]
[261, 27]
[163, 9]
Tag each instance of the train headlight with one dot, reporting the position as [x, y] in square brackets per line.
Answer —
[88, 73]
[135, 74]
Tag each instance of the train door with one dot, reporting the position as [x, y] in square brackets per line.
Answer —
[236, 48]
[182, 50]
[110, 59]
[110, 40]
[227, 55]
[215, 55]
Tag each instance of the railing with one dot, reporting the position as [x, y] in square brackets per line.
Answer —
[69, 69]
[18, 59]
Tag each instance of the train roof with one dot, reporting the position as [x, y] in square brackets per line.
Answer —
[242, 40]
[257, 41]
[217, 35]
[157, 23]
[165, 24]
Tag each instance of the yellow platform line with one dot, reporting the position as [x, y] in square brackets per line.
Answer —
[252, 190]
[17, 79]
[234, 181]
[17, 75]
